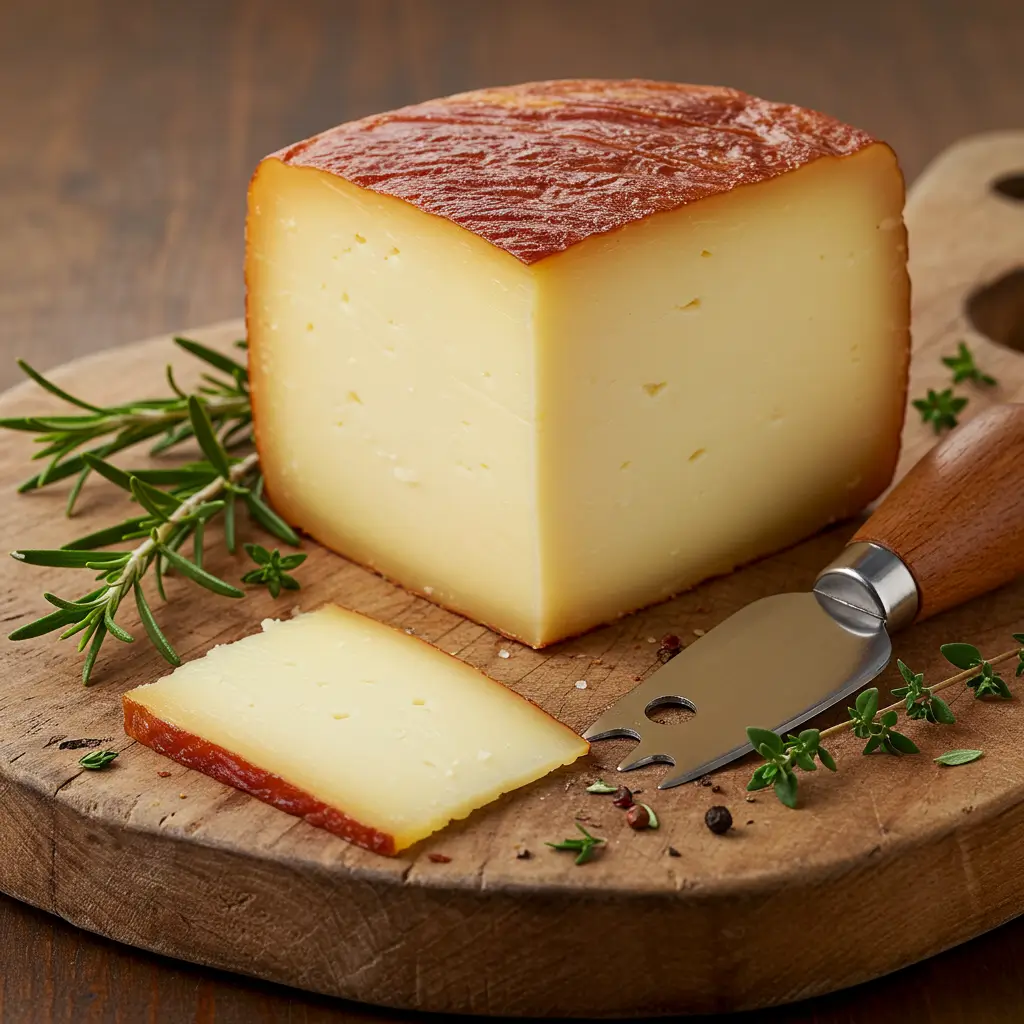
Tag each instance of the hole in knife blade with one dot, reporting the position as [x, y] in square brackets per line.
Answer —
[670, 710]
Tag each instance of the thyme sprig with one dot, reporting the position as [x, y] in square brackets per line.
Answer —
[940, 409]
[272, 569]
[63, 439]
[920, 700]
[175, 504]
[965, 369]
[783, 757]
[869, 722]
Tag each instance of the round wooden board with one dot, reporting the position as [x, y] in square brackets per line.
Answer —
[887, 862]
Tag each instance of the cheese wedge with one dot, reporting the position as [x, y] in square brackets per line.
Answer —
[359, 728]
[551, 353]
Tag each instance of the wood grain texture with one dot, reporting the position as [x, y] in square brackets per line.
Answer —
[181, 865]
[129, 134]
[957, 518]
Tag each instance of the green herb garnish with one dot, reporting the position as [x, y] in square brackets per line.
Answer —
[868, 722]
[940, 408]
[783, 757]
[964, 368]
[272, 569]
[955, 757]
[175, 505]
[601, 787]
[986, 683]
[919, 699]
[879, 731]
[97, 759]
[583, 848]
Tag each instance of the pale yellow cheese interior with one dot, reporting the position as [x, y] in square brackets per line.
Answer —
[367, 719]
[545, 448]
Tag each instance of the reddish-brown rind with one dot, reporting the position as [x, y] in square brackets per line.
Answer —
[536, 168]
[194, 752]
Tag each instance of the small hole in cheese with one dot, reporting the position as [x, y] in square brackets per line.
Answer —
[705, 252]
[654, 389]
[360, 239]
[692, 304]
[419, 702]
[626, 464]
[697, 454]
[353, 397]
[309, 326]
[339, 715]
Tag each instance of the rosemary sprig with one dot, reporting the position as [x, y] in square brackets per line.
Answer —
[175, 505]
[63, 439]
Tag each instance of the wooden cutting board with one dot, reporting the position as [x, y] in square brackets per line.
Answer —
[889, 861]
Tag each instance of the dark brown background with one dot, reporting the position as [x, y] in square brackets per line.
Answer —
[128, 129]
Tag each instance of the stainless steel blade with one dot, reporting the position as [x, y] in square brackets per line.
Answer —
[774, 664]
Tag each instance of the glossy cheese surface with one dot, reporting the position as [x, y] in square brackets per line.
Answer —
[357, 727]
[533, 169]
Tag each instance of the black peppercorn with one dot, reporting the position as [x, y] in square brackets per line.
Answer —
[718, 819]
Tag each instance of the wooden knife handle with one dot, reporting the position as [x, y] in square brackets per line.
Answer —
[956, 519]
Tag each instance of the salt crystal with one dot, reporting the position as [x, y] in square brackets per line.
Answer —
[698, 632]
[504, 654]
[581, 684]
[652, 639]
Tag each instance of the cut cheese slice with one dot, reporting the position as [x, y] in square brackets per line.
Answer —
[552, 353]
[356, 727]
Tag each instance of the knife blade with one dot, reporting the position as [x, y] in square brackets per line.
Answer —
[950, 531]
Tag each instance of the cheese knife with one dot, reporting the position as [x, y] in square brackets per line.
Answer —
[951, 530]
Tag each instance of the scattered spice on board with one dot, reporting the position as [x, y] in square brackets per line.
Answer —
[623, 798]
[439, 858]
[673, 852]
[718, 819]
[640, 817]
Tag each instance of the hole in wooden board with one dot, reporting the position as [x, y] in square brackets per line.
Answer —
[670, 710]
[997, 310]
[1010, 185]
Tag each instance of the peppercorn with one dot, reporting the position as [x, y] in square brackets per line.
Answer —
[671, 645]
[637, 817]
[718, 819]
[623, 798]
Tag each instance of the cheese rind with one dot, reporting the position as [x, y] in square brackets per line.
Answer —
[536, 168]
[544, 437]
[359, 728]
